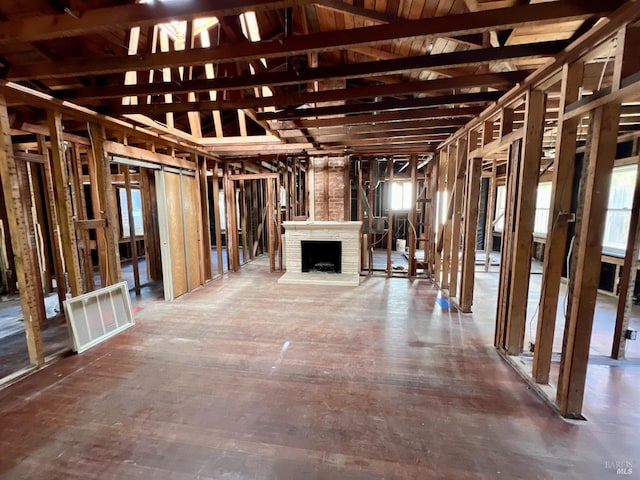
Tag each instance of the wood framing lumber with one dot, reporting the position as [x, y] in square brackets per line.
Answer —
[23, 243]
[557, 228]
[458, 24]
[584, 283]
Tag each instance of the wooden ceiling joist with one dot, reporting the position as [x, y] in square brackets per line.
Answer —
[356, 70]
[460, 24]
[45, 27]
[434, 124]
[319, 76]
[376, 118]
[493, 80]
[465, 98]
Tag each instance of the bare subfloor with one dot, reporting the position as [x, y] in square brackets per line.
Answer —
[245, 378]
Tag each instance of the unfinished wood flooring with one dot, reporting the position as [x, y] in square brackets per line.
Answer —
[245, 378]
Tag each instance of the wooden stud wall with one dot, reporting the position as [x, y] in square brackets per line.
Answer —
[524, 221]
[586, 270]
[456, 219]
[555, 251]
[64, 207]
[106, 203]
[23, 242]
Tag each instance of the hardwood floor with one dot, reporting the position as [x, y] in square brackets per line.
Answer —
[248, 379]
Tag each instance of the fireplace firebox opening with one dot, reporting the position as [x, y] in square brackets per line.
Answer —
[321, 256]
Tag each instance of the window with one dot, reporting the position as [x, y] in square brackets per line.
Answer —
[616, 229]
[501, 204]
[136, 201]
[543, 205]
[401, 195]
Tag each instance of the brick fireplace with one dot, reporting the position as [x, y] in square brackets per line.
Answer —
[322, 253]
[324, 250]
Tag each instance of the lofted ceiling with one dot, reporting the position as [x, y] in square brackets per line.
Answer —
[250, 78]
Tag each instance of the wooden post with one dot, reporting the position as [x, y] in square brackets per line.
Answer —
[490, 216]
[63, 203]
[258, 219]
[432, 210]
[506, 254]
[233, 247]
[27, 271]
[360, 208]
[204, 212]
[370, 194]
[506, 121]
[555, 249]
[54, 231]
[216, 217]
[591, 214]
[81, 213]
[271, 224]
[389, 216]
[286, 184]
[438, 199]
[108, 210]
[97, 214]
[487, 132]
[474, 173]
[227, 207]
[243, 221]
[38, 192]
[151, 226]
[452, 157]
[411, 236]
[461, 168]
[132, 231]
[278, 225]
[525, 214]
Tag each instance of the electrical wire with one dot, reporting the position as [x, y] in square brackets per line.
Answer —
[543, 286]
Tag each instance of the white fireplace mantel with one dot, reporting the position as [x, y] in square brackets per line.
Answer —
[348, 233]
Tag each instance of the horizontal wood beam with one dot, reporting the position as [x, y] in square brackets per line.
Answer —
[464, 98]
[460, 24]
[498, 144]
[45, 27]
[440, 133]
[248, 140]
[29, 157]
[405, 141]
[494, 80]
[436, 125]
[385, 149]
[136, 153]
[25, 128]
[356, 70]
[383, 117]
[383, 17]
[255, 150]
[90, 224]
